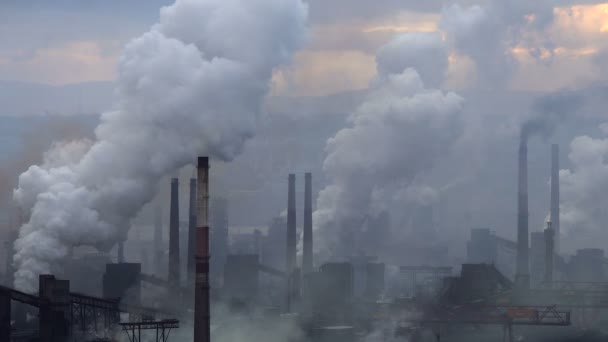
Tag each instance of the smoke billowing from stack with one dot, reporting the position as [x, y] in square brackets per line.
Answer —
[202, 322]
[192, 231]
[174, 235]
[194, 84]
[291, 239]
[555, 194]
[376, 158]
[522, 274]
[307, 263]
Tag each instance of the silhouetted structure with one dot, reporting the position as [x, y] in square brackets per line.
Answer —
[291, 241]
[555, 195]
[192, 232]
[174, 235]
[522, 275]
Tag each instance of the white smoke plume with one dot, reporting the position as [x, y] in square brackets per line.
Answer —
[583, 214]
[487, 34]
[194, 84]
[395, 135]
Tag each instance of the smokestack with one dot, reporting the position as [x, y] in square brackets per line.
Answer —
[121, 252]
[555, 194]
[192, 232]
[291, 239]
[549, 253]
[174, 235]
[158, 236]
[202, 323]
[522, 275]
[307, 243]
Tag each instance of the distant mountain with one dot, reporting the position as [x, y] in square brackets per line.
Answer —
[26, 99]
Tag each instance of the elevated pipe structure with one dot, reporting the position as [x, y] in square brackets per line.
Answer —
[174, 235]
[202, 323]
[522, 275]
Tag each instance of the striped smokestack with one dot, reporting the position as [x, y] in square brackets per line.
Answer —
[522, 274]
[174, 235]
[307, 236]
[202, 322]
[192, 232]
[555, 194]
[291, 240]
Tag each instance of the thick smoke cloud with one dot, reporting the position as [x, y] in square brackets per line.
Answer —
[396, 134]
[583, 187]
[549, 111]
[194, 84]
[422, 51]
[488, 34]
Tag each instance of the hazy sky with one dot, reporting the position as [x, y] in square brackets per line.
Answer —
[563, 45]
[60, 42]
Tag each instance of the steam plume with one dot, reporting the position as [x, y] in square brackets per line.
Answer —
[394, 135]
[194, 84]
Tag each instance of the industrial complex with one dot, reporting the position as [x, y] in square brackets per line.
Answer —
[303, 171]
[506, 289]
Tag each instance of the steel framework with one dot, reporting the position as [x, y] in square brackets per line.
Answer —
[505, 316]
[163, 329]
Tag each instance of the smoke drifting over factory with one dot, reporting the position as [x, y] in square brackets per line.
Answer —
[443, 179]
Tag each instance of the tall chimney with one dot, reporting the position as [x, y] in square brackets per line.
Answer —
[202, 323]
[307, 243]
[522, 274]
[555, 194]
[174, 235]
[192, 232]
[549, 253]
[158, 236]
[121, 252]
[291, 239]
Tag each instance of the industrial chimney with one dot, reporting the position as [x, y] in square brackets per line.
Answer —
[307, 243]
[192, 232]
[121, 252]
[522, 274]
[549, 253]
[291, 240]
[555, 194]
[158, 236]
[174, 235]
[202, 323]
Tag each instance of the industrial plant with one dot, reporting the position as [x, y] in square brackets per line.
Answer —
[504, 290]
[303, 171]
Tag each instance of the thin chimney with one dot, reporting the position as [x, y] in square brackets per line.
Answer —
[555, 194]
[291, 240]
[158, 236]
[202, 322]
[549, 253]
[174, 235]
[121, 252]
[307, 264]
[522, 275]
[192, 232]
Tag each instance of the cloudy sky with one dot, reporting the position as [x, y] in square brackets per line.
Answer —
[62, 42]
[65, 54]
